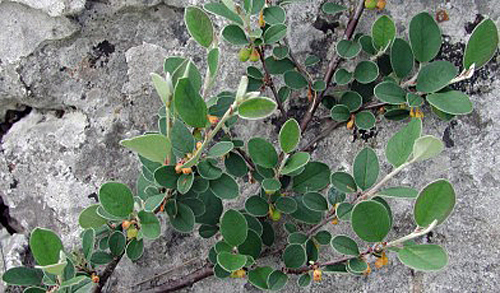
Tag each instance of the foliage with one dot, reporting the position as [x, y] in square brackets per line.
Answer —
[188, 173]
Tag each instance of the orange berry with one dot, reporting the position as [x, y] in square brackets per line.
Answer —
[198, 145]
[335, 221]
[213, 119]
[95, 278]
[262, 22]
[187, 170]
[238, 274]
[317, 275]
[178, 168]
[381, 4]
[350, 124]
[126, 224]
[368, 270]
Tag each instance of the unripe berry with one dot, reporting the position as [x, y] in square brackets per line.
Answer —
[370, 4]
[254, 57]
[132, 232]
[276, 216]
[244, 54]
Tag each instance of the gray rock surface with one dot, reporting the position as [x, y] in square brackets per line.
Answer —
[83, 69]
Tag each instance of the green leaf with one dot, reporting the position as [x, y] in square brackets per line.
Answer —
[277, 280]
[74, 282]
[352, 100]
[213, 209]
[189, 104]
[274, 33]
[366, 168]
[286, 205]
[274, 15]
[315, 201]
[154, 147]
[257, 206]
[295, 162]
[332, 8]
[117, 243]
[295, 80]
[182, 140]
[340, 113]
[221, 273]
[271, 185]
[335, 196]
[294, 256]
[135, 248]
[434, 202]
[311, 60]
[336, 268]
[254, 72]
[482, 44]
[208, 170]
[23, 276]
[90, 219]
[400, 145]
[344, 210]
[200, 185]
[252, 245]
[370, 221]
[256, 108]
[365, 120]
[289, 135]
[427, 147]
[323, 237]
[116, 199]
[280, 52]
[88, 241]
[401, 58]
[315, 177]
[222, 10]
[357, 266]
[342, 76]
[297, 238]
[254, 224]
[185, 182]
[207, 231]
[267, 234]
[383, 32]
[235, 35]
[262, 152]
[235, 165]
[366, 72]
[304, 280]
[451, 102]
[161, 86]
[414, 100]
[166, 176]
[184, 219]
[391, 93]
[45, 246]
[101, 258]
[234, 227]
[188, 70]
[367, 45]
[345, 245]
[425, 37]
[150, 225]
[278, 66]
[304, 214]
[225, 187]
[426, 257]
[195, 204]
[199, 25]
[399, 191]
[220, 149]
[171, 64]
[348, 49]
[435, 76]
[231, 262]
[258, 277]
[344, 182]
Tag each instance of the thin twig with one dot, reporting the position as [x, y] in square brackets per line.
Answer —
[246, 158]
[167, 272]
[334, 64]
[106, 274]
[327, 263]
[268, 81]
[186, 281]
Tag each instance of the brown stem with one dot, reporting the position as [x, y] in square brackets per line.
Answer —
[334, 64]
[268, 81]
[324, 264]
[106, 274]
[246, 158]
[186, 281]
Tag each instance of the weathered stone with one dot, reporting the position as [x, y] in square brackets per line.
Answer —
[54, 7]
[92, 89]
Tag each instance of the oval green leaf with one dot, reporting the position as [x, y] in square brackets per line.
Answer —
[427, 257]
[199, 25]
[366, 168]
[435, 202]
[435, 76]
[256, 108]
[370, 221]
[289, 135]
[425, 37]
[116, 199]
